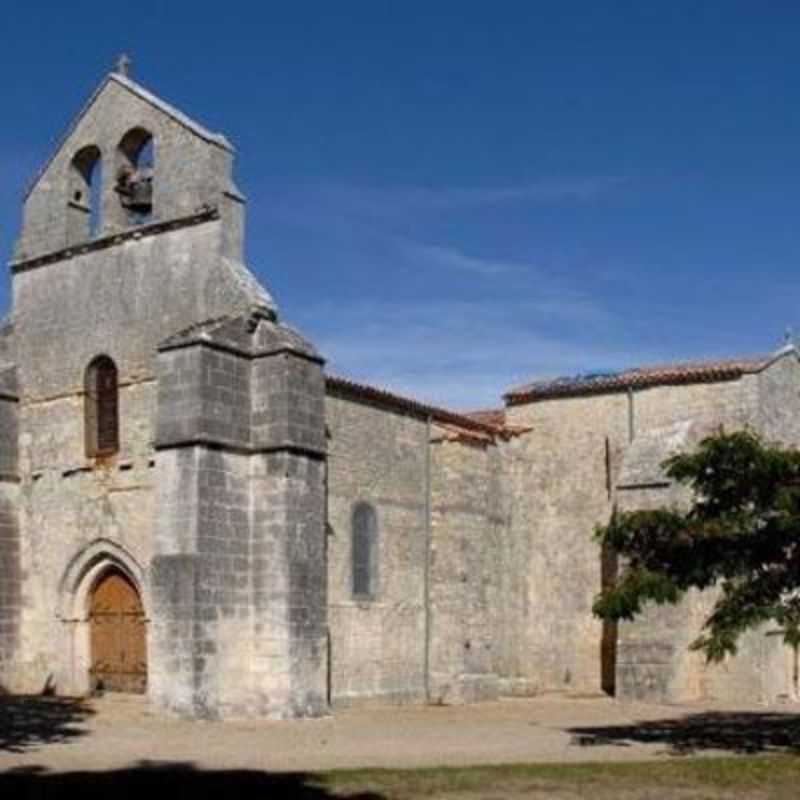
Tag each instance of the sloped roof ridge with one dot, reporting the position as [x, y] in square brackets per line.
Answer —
[491, 416]
[204, 133]
[697, 371]
[205, 326]
[178, 115]
[248, 283]
[385, 397]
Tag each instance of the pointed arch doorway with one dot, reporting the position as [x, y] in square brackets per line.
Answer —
[117, 635]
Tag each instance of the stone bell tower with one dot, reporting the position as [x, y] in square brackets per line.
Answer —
[194, 470]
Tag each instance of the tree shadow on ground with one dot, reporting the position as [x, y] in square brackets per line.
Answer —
[735, 732]
[168, 779]
[30, 720]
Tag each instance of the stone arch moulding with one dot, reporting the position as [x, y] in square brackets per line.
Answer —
[86, 567]
[74, 589]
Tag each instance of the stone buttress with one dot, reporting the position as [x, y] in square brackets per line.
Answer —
[239, 574]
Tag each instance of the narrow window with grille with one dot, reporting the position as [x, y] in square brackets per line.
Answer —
[365, 551]
[102, 407]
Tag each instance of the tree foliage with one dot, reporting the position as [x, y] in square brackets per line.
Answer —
[740, 533]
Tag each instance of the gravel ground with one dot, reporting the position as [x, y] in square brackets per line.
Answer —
[56, 749]
[116, 732]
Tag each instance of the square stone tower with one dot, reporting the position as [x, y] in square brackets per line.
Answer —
[162, 470]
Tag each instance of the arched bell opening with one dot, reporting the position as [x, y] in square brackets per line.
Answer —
[135, 177]
[84, 201]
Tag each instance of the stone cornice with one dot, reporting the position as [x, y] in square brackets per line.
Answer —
[215, 443]
[232, 349]
[133, 234]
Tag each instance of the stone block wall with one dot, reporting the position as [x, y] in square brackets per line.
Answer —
[10, 561]
[474, 613]
[120, 301]
[289, 585]
[763, 671]
[202, 630]
[242, 528]
[230, 503]
[565, 483]
[729, 403]
[377, 456]
[289, 402]
[778, 388]
[204, 396]
[654, 663]
[123, 300]
[444, 623]
[10, 585]
[561, 489]
[580, 463]
[69, 505]
[654, 657]
[120, 294]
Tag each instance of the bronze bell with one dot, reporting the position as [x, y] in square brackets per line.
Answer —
[140, 194]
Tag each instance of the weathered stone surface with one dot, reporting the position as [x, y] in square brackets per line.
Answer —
[192, 171]
[176, 508]
[377, 645]
[230, 502]
[471, 614]
[588, 454]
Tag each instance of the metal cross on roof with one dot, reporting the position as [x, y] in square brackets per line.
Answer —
[124, 65]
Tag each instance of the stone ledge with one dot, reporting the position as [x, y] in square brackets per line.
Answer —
[242, 449]
[232, 349]
[203, 215]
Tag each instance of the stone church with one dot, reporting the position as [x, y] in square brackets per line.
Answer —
[192, 508]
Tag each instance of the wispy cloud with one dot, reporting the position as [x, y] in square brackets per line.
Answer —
[454, 259]
[330, 203]
[473, 320]
[459, 354]
[542, 293]
[447, 198]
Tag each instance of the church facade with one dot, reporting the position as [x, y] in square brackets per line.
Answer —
[192, 508]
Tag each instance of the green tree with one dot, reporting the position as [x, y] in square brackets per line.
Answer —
[740, 533]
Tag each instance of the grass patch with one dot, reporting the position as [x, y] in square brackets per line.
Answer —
[762, 777]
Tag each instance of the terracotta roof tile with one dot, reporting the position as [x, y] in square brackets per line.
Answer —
[489, 416]
[636, 378]
[386, 399]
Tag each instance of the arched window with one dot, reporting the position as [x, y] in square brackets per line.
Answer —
[85, 201]
[102, 407]
[365, 551]
[135, 175]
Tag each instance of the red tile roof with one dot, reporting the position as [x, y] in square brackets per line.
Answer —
[385, 399]
[637, 378]
[489, 416]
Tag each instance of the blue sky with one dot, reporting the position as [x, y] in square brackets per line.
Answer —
[451, 198]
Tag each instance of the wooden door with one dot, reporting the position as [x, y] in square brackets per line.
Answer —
[119, 649]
